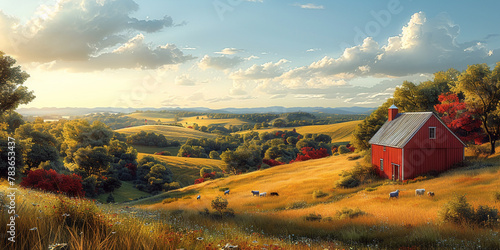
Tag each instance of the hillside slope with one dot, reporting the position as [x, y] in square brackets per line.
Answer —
[170, 132]
[186, 170]
[296, 182]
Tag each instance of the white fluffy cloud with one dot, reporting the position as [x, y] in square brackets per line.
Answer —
[229, 51]
[423, 46]
[87, 33]
[219, 62]
[256, 72]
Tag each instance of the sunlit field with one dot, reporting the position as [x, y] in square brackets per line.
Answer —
[205, 121]
[177, 219]
[339, 132]
[171, 132]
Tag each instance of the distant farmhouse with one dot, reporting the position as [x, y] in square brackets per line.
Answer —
[414, 143]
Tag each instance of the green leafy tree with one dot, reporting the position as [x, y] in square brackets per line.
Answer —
[243, 159]
[92, 160]
[481, 87]
[43, 146]
[12, 90]
[80, 134]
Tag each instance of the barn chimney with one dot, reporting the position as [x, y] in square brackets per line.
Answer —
[393, 112]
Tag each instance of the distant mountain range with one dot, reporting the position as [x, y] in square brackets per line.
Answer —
[274, 109]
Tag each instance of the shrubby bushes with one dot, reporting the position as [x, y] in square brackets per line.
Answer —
[50, 180]
[459, 211]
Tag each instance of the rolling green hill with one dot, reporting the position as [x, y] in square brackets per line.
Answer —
[170, 132]
[186, 170]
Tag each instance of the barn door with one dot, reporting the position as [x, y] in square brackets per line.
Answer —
[395, 172]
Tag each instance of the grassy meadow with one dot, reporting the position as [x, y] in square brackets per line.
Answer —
[339, 132]
[310, 212]
[170, 132]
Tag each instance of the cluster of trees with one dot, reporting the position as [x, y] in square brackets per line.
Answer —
[468, 102]
[114, 121]
[253, 150]
[151, 139]
[99, 157]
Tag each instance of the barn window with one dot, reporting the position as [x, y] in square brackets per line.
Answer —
[381, 164]
[432, 132]
[384, 148]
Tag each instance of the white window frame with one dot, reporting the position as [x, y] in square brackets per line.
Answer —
[430, 134]
[381, 164]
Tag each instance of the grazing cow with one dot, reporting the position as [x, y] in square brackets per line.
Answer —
[263, 194]
[274, 194]
[199, 197]
[431, 194]
[419, 191]
[226, 192]
[394, 194]
[255, 193]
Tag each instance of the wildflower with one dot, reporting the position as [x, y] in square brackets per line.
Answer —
[33, 229]
[33, 204]
[113, 232]
[65, 215]
[199, 238]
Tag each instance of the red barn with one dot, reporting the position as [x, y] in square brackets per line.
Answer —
[414, 143]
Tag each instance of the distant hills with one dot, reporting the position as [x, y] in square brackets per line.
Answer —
[273, 109]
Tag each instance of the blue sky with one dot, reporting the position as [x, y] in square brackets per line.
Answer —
[240, 53]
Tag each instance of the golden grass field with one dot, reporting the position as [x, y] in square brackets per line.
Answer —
[170, 132]
[205, 121]
[340, 132]
[154, 116]
[296, 183]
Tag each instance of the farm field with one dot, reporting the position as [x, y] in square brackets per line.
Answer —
[153, 116]
[170, 132]
[205, 121]
[339, 132]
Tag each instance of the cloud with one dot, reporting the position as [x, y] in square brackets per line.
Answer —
[424, 46]
[221, 62]
[229, 51]
[184, 80]
[310, 6]
[256, 72]
[88, 32]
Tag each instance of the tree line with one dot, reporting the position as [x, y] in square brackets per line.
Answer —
[468, 102]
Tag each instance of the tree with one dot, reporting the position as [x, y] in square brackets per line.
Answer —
[92, 160]
[243, 159]
[461, 121]
[481, 88]
[278, 123]
[43, 146]
[12, 91]
[80, 134]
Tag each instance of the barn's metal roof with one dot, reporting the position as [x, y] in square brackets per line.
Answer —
[398, 132]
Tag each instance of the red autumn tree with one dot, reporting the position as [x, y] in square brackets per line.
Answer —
[309, 153]
[459, 119]
[50, 180]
